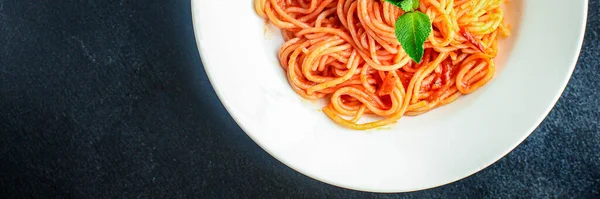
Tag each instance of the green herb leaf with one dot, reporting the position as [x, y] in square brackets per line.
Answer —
[406, 5]
[395, 2]
[412, 29]
[409, 5]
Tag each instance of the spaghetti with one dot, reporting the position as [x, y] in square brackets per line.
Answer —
[347, 51]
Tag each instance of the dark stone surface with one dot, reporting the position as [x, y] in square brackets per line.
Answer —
[109, 99]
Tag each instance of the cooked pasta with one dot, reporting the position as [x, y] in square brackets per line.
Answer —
[347, 51]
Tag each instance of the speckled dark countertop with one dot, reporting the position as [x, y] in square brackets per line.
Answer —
[109, 99]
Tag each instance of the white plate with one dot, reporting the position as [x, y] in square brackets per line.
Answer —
[442, 146]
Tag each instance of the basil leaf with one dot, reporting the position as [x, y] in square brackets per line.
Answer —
[395, 2]
[406, 5]
[412, 29]
[409, 5]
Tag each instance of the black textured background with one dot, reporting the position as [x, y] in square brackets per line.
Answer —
[107, 98]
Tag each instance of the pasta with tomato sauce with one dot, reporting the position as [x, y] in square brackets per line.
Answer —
[347, 52]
